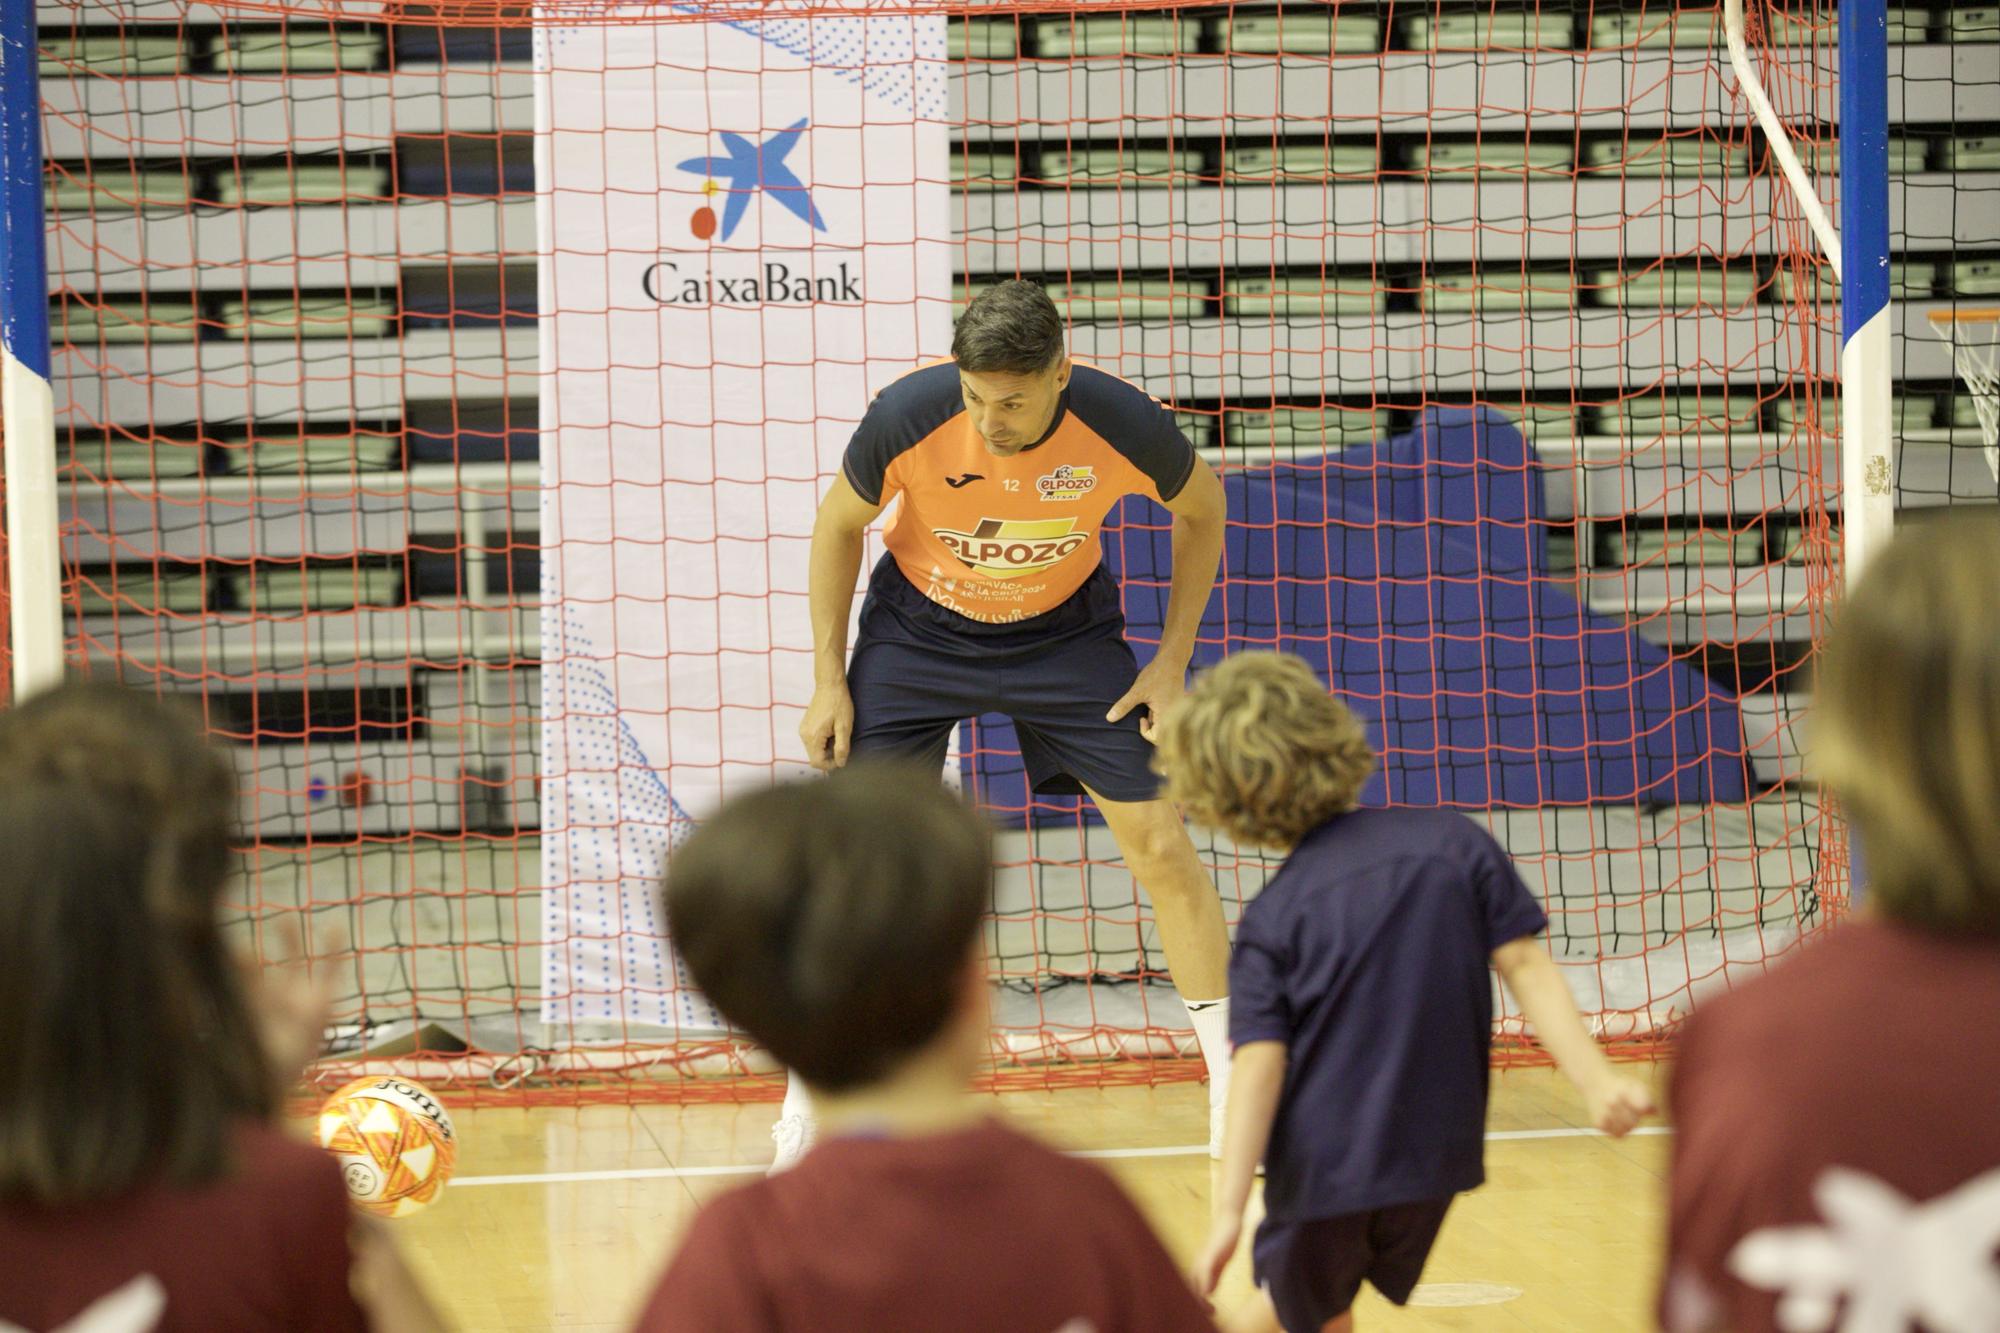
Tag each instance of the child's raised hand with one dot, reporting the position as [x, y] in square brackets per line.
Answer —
[293, 998]
[1617, 1103]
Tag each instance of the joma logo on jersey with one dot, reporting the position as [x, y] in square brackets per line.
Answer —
[1066, 483]
[1005, 548]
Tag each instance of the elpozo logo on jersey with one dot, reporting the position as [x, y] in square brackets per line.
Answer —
[1009, 547]
[1066, 483]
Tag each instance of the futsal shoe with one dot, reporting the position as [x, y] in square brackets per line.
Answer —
[794, 1136]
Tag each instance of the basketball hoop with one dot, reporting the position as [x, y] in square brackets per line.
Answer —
[1974, 336]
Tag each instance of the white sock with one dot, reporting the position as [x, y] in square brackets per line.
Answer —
[798, 1101]
[1211, 1033]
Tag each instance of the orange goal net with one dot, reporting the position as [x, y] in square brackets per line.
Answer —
[443, 393]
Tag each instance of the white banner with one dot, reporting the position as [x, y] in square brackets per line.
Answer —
[744, 233]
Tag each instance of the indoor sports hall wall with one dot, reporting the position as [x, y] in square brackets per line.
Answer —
[1512, 349]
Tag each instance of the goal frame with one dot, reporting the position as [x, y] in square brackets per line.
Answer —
[1859, 255]
[27, 396]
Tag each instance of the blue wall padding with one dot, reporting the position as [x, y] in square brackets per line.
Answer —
[1412, 574]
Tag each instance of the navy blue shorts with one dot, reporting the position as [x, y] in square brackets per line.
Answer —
[918, 670]
[1313, 1270]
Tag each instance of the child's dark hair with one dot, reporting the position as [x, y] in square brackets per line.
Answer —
[127, 1047]
[833, 920]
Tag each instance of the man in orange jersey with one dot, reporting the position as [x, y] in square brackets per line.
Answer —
[993, 599]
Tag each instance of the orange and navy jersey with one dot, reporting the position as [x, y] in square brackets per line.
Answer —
[1002, 539]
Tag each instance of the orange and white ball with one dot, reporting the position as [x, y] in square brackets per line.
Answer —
[395, 1143]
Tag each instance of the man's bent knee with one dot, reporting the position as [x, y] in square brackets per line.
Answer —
[1153, 839]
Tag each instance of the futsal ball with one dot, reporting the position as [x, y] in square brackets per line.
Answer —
[394, 1142]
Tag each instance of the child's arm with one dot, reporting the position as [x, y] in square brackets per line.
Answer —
[1256, 1076]
[1615, 1102]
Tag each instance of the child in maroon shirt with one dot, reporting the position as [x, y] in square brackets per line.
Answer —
[1837, 1136]
[143, 1183]
[838, 923]
[262, 1246]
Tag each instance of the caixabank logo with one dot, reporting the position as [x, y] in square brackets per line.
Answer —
[772, 274]
[1009, 547]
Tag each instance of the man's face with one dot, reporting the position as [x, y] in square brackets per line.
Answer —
[1011, 412]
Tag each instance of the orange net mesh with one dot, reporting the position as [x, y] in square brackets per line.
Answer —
[385, 439]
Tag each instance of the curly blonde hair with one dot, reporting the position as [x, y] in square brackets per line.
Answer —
[1259, 749]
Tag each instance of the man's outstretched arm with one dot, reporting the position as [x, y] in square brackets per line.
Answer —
[836, 562]
[1199, 511]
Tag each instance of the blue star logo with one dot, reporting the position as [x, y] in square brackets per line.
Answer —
[751, 167]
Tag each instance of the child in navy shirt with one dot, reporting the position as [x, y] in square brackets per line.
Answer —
[1362, 1009]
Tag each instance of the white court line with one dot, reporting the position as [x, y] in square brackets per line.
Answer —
[758, 1168]
[1569, 1133]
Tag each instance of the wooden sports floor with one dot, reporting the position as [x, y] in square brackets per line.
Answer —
[560, 1218]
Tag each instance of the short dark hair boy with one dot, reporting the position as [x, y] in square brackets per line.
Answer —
[838, 922]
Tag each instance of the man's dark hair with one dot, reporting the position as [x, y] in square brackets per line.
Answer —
[832, 920]
[127, 1046]
[1012, 328]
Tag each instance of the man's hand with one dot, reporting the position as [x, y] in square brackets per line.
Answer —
[1617, 1103]
[1158, 687]
[828, 726]
[1223, 1234]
